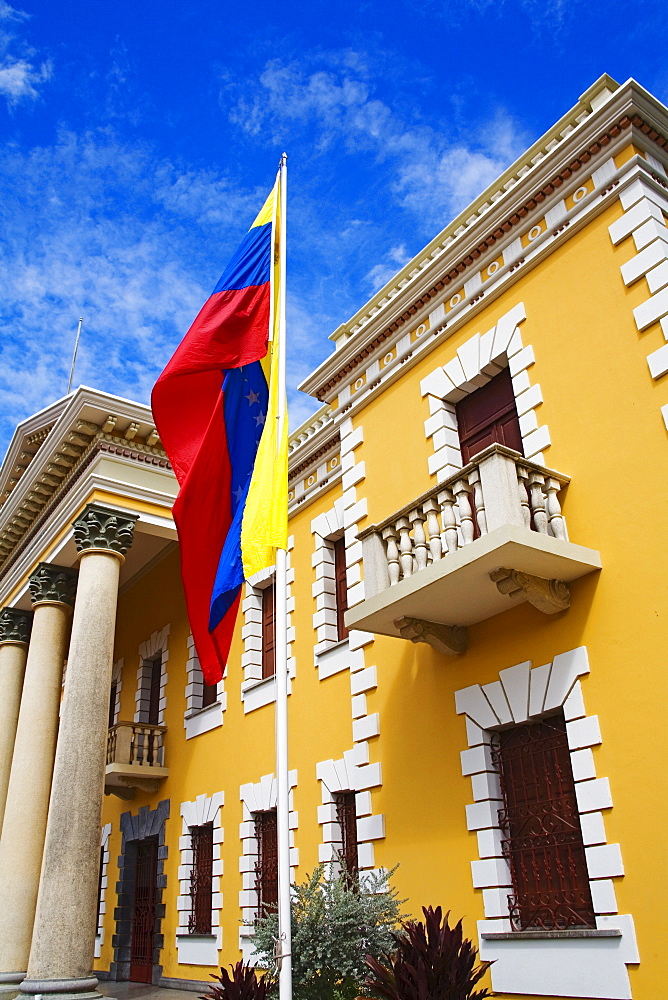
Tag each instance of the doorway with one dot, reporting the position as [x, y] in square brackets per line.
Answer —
[144, 911]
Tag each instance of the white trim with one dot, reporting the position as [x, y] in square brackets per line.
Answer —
[352, 773]
[257, 691]
[522, 693]
[256, 798]
[104, 881]
[148, 652]
[200, 949]
[476, 362]
[198, 720]
[645, 203]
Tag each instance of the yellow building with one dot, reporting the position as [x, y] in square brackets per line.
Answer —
[476, 491]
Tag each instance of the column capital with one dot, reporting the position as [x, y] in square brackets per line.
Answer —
[15, 625]
[53, 583]
[99, 527]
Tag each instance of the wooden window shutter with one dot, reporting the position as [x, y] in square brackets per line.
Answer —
[541, 824]
[341, 586]
[489, 416]
[269, 631]
[266, 872]
[209, 694]
[154, 691]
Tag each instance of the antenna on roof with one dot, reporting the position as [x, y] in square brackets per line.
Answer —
[74, 356]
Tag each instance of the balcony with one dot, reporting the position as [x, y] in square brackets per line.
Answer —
[135, 759]
[490, 537]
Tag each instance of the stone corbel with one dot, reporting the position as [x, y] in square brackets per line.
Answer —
[549, 596]
[126, 794]
[446, 639]
[148, 785]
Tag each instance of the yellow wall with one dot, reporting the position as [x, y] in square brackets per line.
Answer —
[602, 409]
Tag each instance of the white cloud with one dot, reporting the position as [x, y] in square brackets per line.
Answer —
[381, 273]
[97, 227]
[433, 170]
[20, 74]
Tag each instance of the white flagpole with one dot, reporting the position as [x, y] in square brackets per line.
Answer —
[74, 356]
[282, 779]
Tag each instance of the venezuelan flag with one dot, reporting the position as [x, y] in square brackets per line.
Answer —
[218, 412]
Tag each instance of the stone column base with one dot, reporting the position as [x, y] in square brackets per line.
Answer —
[65, 995]
[60, 987]
[10, 984]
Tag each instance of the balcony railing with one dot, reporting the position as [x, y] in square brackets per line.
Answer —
[494, 529]
[135, 758]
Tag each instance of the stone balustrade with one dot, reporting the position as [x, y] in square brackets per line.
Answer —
[136, 743]
[499, 487]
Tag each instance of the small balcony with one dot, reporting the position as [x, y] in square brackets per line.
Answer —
[135, 759]
[490, 537]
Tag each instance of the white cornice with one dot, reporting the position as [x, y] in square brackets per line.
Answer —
[66, 510]
[489, 212]
[90, 405]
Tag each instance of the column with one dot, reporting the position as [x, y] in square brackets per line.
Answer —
[15, 628]
[21, 847]
[63, 943]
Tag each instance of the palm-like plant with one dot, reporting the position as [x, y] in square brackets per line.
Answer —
[432, 961]
[243, 984]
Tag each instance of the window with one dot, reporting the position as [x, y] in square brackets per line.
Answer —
[346, 816]
[266, 871]
[200, 879]
[112, 704]
[269, 631]
[155, 674]
[209, 694]
[488, 416]
[541, 827]
[341, 585]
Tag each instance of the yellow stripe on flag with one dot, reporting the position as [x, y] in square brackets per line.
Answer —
[264, 527]
[266, 213]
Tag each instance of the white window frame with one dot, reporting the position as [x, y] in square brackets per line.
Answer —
[562, 963]
[200, 949]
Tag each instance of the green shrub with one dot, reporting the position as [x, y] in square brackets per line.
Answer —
[430, 961]
[336, 922]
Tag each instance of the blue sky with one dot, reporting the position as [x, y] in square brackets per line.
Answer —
[138, 140]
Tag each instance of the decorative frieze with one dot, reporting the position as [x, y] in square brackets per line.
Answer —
[101, 527]
[53, 583]
[15, 625]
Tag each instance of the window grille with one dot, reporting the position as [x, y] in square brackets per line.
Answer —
[341, 583]
[346, 816]
[266, 872]
[200, 879]
[540, 821]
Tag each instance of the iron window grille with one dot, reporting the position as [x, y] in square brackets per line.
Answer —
[346, 817]
[541, 825]
[266, 870]
[201, 876]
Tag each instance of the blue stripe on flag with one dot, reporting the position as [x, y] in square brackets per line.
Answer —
[251, 264]
[245, 400]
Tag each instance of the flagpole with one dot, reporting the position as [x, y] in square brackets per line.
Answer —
[282, 771]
